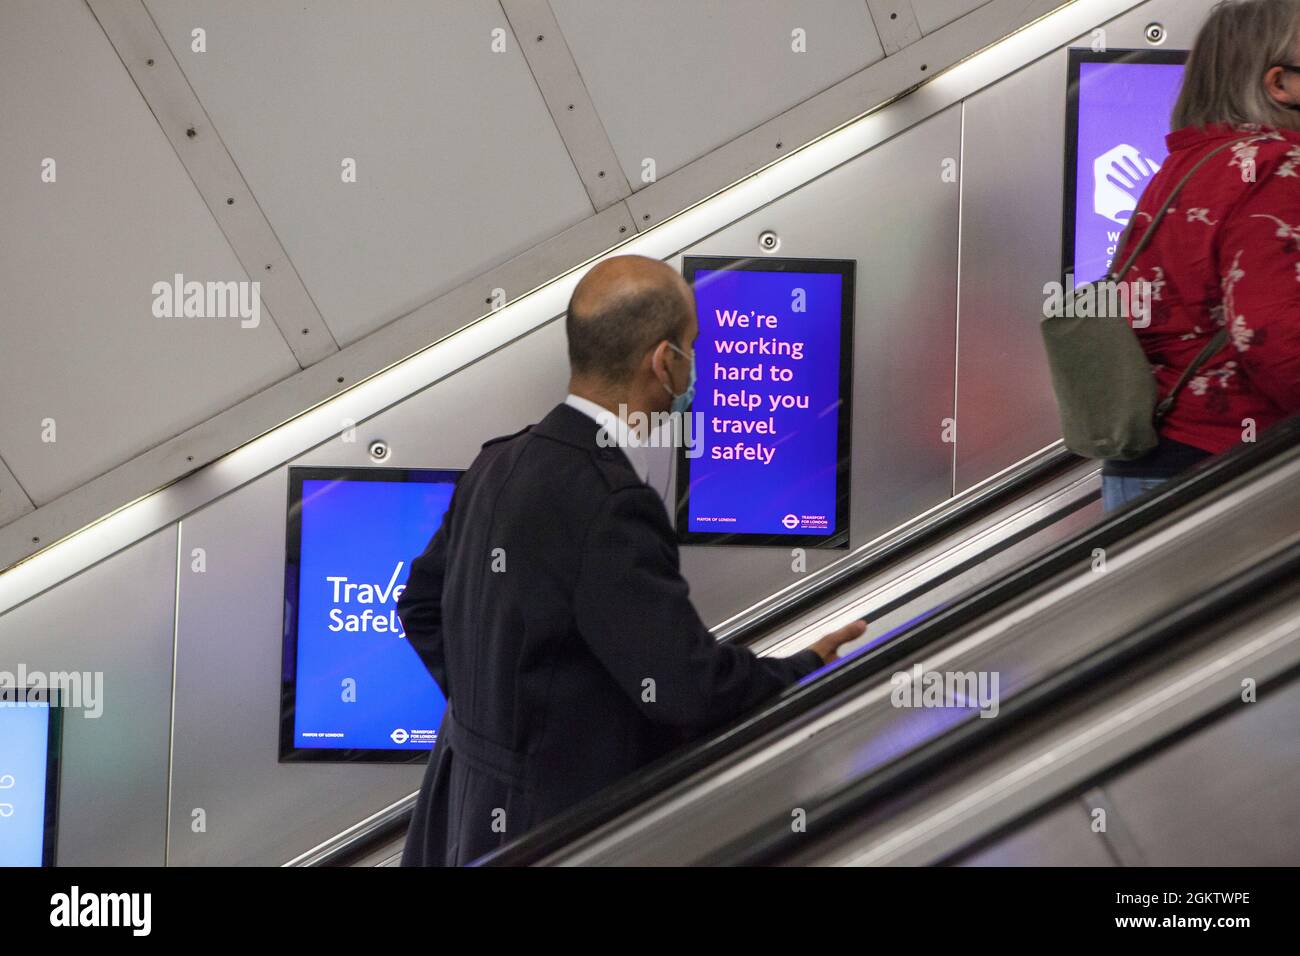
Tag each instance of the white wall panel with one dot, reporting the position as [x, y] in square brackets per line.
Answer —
[79, 256]
[932, 14]
[115, 619]
[674, 79]
[459, 166]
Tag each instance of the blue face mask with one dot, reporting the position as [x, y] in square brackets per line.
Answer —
[682, 403]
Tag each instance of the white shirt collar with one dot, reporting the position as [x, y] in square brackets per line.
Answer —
[617, 431]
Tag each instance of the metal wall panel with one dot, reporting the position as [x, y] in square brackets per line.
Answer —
[459, 166]
[115, 618]
[79, 256]
[675, 79]
[226, 727]
[1180, 18]
[1010, 242]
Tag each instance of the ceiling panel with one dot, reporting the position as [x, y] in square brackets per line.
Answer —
[932, 14]
[79, 344]
[459, 166]
[675, 79]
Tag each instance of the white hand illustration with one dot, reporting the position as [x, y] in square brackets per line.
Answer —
[1119, 176]
[7, 781]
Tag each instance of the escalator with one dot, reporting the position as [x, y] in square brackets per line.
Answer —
[835, 749]
[1107, 646]
[929, 559]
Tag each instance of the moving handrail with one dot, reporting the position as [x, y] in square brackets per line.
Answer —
[907, 641]
[968, 739]
[817, 587]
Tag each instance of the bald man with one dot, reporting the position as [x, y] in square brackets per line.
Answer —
[550, 606]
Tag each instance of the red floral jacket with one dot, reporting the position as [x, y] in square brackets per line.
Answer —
[1228, 253]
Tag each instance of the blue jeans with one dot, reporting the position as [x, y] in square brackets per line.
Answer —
[1119, 490]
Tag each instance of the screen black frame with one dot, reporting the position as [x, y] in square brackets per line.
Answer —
[838, 538]
[289, 752]
[1070, 192]
[53, 763]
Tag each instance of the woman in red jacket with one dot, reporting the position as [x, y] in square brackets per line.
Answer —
[1229, 252]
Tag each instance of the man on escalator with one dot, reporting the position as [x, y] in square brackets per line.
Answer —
[550, 605]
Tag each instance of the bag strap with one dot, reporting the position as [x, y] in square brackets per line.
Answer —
[1220, 339]
[1159, 216]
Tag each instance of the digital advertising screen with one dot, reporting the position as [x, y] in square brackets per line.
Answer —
[766, 455]
[30, 743]
[1118, 109]
[353, 688]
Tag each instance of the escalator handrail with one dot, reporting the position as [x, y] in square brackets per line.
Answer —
[870, 558]
[623, 796]
[770, 842]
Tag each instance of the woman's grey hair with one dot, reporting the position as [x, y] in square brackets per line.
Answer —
[1224, 80]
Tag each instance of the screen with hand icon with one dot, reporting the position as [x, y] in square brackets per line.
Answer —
[30, 741]
[1118, 109]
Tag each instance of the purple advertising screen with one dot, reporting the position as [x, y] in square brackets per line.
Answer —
[354, 688]
[1119, 107]
[767, 459]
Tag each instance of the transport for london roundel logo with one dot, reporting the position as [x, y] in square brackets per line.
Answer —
[790, 521]
[400, 736]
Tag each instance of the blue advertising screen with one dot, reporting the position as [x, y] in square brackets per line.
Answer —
[767, 462]
[28, 781]
[355, 689]
[1119, 110]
